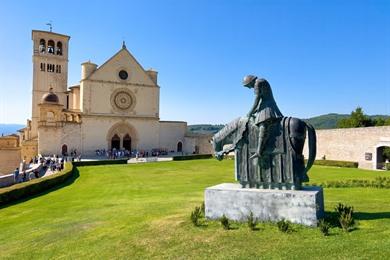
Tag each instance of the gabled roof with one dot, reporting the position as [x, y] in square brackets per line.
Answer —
[122, 59]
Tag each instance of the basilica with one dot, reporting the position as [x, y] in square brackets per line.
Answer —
[114, 106]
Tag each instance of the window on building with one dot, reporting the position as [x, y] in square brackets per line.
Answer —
[59, 48]
[58, 68]
[50, 47]
[67, 101]
[42, 46]
[50, 67]
[43, 66]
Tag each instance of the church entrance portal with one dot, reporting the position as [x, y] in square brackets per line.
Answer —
[127, 142]
[115, 142]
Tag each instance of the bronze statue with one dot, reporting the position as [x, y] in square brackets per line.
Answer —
[268, 146]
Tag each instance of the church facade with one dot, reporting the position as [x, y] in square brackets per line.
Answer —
[116, 105]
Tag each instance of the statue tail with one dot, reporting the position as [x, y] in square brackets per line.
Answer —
[312, 147]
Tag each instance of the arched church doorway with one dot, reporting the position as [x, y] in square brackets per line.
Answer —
[127, 142]
[115, 142]
[179, 147]
[382, 156]
[64, 150]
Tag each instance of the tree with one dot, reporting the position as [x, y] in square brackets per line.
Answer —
[356, 119]
[386, 153]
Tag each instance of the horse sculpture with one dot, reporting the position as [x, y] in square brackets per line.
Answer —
[281, 164]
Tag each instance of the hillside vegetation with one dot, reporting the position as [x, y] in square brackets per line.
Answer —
[328, 121]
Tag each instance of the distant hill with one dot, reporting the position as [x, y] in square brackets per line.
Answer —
[6, 129]
[327, 121]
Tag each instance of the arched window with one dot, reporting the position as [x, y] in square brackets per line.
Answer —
[43, 65]
[50, 47]
[115, 142]
[42, 46]
[127, 142]
[59, 48]
[179, 147]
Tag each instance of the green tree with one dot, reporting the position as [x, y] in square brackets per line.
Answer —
[386, 153]
[356, 119]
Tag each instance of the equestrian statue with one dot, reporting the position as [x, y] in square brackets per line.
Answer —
[267, 146]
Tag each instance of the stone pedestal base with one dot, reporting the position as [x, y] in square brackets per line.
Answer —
[304, 207]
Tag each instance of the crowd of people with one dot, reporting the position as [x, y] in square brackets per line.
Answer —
[38, 166]
[122, 153]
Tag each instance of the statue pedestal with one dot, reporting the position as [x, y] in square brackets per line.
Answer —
[304, 206]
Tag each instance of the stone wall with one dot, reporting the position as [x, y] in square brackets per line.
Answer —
[352, 144]
[9, 160]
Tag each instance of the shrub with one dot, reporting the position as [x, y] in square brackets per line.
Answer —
[195, 216]
[99, 162]
[337, 163]
[192, 157]
[345, 216]
[378, 182]
[251, 221]
[203, 208]
[284, 226]
[324, 227]
[35, 186]
[225, 222]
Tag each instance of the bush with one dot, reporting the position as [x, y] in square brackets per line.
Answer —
[335, 163]
[251, 221]
[195, 216]
[378, 182]
[284, 226]
[192, 157]
[345, 216]
[387, 166]
[324, 227]
[99, 162]
[35, 186]
[225, 222]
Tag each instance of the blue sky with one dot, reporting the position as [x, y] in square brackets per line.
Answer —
[319, 56]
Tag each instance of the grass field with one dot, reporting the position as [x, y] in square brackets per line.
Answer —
[142, 211]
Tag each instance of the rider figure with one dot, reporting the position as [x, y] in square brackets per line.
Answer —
[264, 110]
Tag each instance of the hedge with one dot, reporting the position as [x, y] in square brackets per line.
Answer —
[35, 186]
[337, 163]
[100, 162]
[192, 157]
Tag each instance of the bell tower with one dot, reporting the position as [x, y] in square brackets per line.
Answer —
[50, 70]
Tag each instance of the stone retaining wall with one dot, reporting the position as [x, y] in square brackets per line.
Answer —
[352, 144]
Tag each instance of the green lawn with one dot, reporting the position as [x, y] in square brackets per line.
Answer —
[142, 211]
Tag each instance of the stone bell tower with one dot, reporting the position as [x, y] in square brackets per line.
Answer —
[50, 70]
